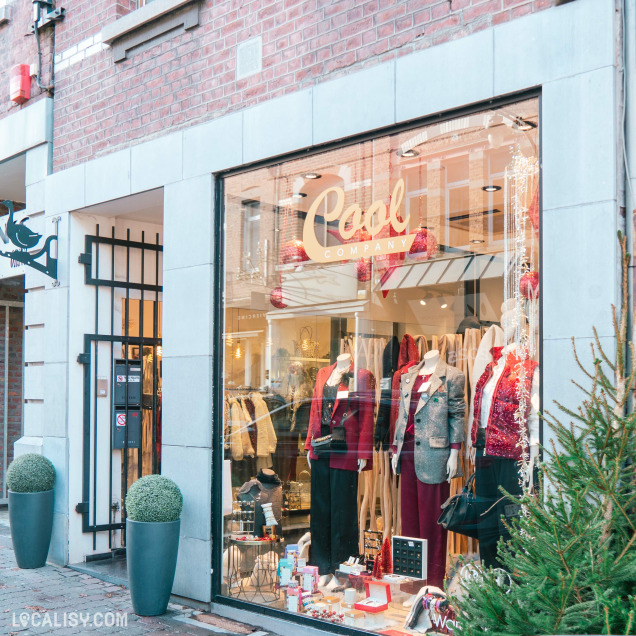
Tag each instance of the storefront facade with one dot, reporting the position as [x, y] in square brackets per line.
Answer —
[256, 283]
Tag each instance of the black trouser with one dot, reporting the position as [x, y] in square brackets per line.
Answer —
[492, 472]
[334, 516]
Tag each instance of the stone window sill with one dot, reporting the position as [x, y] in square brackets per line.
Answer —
[148, 25]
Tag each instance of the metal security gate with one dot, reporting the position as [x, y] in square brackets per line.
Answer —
[122, 376]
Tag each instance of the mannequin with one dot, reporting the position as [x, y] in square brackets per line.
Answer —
[430, 363]
[428, 434]
[495, 436]
[339, 400]
[343, 364]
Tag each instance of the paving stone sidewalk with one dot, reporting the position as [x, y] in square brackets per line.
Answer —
[46, 600]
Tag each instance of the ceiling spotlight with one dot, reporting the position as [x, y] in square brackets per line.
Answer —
[491, 188]
[444, 305]
[407, 153]
[299, 195]
[422, 302]
[523, 124]
[477, 241]
[311, 175]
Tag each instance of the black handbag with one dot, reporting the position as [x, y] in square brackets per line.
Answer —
[335, 443]
[459, 512]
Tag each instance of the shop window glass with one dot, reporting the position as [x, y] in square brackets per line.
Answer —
[383, 349]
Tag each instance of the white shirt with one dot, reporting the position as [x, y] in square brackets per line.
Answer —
[488, 394]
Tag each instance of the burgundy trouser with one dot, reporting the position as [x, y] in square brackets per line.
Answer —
[421, 508]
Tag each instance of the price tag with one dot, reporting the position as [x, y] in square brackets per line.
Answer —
[342, 395]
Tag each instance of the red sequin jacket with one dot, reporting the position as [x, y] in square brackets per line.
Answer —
[502, 432]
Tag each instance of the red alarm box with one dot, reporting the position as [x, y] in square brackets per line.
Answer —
[20, 83]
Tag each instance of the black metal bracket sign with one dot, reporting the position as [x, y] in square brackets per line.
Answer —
[26, 239]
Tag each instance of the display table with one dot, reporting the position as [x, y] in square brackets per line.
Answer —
[252, 569]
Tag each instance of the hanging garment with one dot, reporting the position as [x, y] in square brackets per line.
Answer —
[407, 358]
[422, 346]
[265, 433]
[382, 439]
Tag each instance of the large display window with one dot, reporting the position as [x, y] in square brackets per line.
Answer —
[381, 349]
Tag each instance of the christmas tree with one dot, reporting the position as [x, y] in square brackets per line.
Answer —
[571, 558]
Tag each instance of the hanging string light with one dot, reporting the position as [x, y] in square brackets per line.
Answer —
[519, 276]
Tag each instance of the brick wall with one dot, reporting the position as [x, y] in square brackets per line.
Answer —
[11, 290]
[16, 47]
[101, 106]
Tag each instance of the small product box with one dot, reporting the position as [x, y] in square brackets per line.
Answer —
[310, 578]
[291, 552]
[378, 597]
[354, 618]
[332, 603]
[294, 599]
[285, 571]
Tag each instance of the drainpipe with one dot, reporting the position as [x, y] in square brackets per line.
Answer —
[625, 12]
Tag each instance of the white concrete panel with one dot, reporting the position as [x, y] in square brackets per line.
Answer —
[28, 444]
[29, 127]
[355, 103]
[34, 307]
[55, 398]
[34, 382]
[108, 177]
[187, 216]
[35, 197]
[549, 45]
[193, 578]
[38, 163]
[277, 126]
[58, 549]
[34, 414]
[579, 139]
[213, 146]
[446, 76]
[56, 449]
[579, 270]
[65, 190]
[56, 325]
[186, 401]
[156, 162]
[187, 311]
[189, 468]
[34, 341]
[559, 368]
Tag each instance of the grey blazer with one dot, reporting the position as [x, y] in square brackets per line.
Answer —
[439, 420]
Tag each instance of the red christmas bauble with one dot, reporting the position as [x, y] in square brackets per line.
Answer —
[424, 245]
[529, 285]
[276, 298]
[293, 252]
[363, 270]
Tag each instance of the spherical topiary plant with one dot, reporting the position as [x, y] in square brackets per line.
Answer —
[154, 498]
[30, 473]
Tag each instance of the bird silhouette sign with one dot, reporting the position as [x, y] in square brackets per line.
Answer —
[25, 239]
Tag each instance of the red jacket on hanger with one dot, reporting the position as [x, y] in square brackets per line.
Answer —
[408, 357]
[359, 424]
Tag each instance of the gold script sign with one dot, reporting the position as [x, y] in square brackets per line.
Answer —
[374, 220]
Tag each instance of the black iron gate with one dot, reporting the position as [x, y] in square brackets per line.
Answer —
[122, 376]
